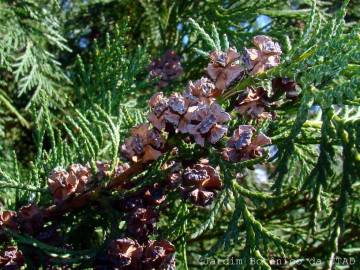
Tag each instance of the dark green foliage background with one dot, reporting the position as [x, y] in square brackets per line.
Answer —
[74, 80]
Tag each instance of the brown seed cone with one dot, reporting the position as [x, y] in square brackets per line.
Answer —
[254, 103]
[8, 220]
[245, 145]
[205, 122]
[62, 184]
[199, 184]
[265, 56]
[223, 69]
[142, 222]
[144, 145]
[203, 117]
[159, 255]
[154, 195]
[203, 89]
[167, 112]
[11, 258]
[123, 253]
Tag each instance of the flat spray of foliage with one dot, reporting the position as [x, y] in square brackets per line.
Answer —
[80, 109]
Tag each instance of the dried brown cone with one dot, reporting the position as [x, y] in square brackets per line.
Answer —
[224, 69]
[200, 183]
[123, 253]
[245, 144]
[62, 184]
[154, 195]
[286, 85]
[144, 145]
[11, 259]
[265, 56]
[142, 222]
[166, 112]
[167, 68]
[31, 219]
[203, 88]
[8, 220]
[205, 122]
[254, 103]
[173, 170]
[203, 118]
[159, 255]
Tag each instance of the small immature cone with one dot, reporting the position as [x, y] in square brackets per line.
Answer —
[11, 259]
[124, 253]
[245, 145]
[152, 195]
[224, 69]
[144, 145]
[159, 255]
[265, 56]
[131, 204]
[103, 169]
[254, 103]
[167, 68]
[199, 184]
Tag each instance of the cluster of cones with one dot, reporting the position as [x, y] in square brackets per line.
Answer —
[78, 178]
[128, 254]
[196, 112]
[197, 115]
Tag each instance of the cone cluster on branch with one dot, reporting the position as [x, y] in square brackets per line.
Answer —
[196, 111]
[195, 114]
[78, 178]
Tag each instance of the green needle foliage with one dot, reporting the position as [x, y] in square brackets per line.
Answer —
[75, 79]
